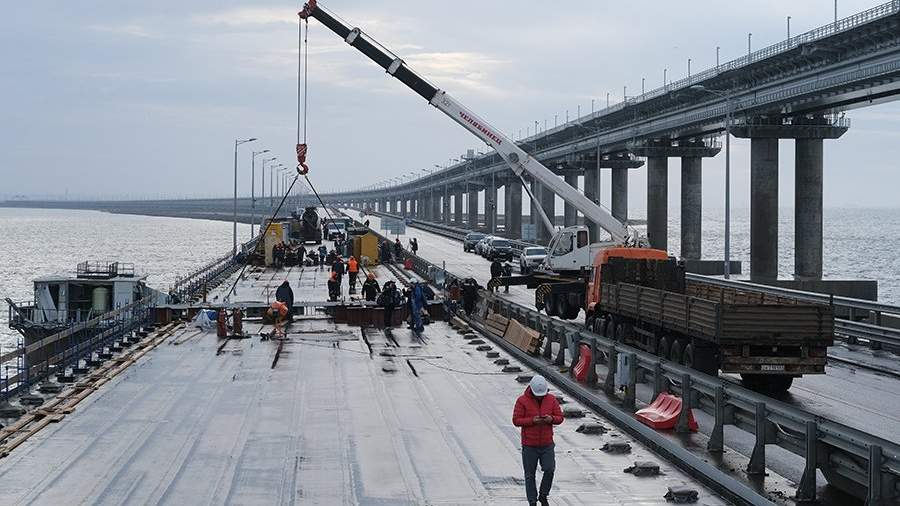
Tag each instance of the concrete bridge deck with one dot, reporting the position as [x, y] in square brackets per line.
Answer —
[413, 421]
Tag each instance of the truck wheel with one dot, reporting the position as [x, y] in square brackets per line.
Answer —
[551, 305]
[677, 351]
[662, 348]
[623, 331]
[687, 357]
[571, 310]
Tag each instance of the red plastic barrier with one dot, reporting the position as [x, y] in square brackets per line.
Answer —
[663, 413]
[408, 264]
[584, 359]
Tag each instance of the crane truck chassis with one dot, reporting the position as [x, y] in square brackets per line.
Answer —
[640, 297]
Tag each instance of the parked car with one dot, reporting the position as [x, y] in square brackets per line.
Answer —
[481, 246]
[335, 229]
[499, 249]
[531, 258]
[471, 239]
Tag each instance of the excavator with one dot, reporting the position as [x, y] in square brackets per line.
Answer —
[643, 298]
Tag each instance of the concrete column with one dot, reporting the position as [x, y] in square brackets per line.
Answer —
[548, 203]
[445, 206]
[592, 191]
[457, 208]
[435, 205]
[657, 201]
[514, 209]
[490, 207]
[808, 209]
[570, 216]
[763, 209]
[620, 194]
[691, 204]
[473, 208]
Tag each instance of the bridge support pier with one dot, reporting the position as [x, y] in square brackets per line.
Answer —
[763, 209]
[457, 207]
[570, 215]
[435, 205]
[619, 195]
[547, 201]
[473, 208]
[513, 208]
[691, 206]
[808, 133]
[657, 153]
[657, 201]
[445, 206]
[808, 209]
[592, 191]
[490, 207]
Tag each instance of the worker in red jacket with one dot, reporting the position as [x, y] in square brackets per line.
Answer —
[536, 413]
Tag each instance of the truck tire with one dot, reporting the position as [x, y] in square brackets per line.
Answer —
[662, 347]
[677, 351]
[687, 356]
[550, 305]
[570, 310]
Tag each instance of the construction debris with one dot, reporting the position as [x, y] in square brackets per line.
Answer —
[682, 495]
[616, 447]
[643, 468]
[590, 428]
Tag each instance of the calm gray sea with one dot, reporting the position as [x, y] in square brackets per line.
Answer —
[35, 242]
[859, 244]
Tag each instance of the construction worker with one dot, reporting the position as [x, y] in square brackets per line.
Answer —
[469, 295]
[352, 272]
[301, 253]
[334, 287]
[507, 272]
[536, 413]
[417, 304]
[452, 300]
[323, 252]
[496, 269]
[384, 253]
[338, 268]
[285, 294]
[398, 249]
[370, 288]
[389, 299]
[278, 311]
[414, 245]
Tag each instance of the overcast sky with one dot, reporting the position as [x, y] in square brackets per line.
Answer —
[131, 99]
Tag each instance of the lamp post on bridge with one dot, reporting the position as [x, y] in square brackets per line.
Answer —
[729, 116]
[253, 189]
[262, 186]
[237, 142]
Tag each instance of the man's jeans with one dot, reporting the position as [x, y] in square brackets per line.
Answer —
[531, 455]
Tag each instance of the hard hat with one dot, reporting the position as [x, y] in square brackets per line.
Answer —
[539, 386]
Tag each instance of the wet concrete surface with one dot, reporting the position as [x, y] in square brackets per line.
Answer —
[419, 420]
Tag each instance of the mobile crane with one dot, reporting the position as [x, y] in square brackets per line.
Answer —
[643, 298]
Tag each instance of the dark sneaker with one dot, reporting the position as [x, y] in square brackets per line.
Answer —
[543, 501]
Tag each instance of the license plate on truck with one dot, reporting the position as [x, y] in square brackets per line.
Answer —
[771, 367]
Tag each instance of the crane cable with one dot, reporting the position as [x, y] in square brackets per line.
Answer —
[302, 113]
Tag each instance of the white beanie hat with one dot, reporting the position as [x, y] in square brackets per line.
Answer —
[538, 386]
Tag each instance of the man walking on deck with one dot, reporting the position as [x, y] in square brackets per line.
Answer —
[536, 413]
[352, 272]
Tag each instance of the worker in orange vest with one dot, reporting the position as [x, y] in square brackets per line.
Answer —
[278, 311]
[352, 271]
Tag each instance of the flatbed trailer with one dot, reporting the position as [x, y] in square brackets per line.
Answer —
[640, 297]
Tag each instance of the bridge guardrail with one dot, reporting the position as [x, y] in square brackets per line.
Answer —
[188, 286]
[851, 460]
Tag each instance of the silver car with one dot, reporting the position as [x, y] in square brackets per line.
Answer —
[481, 245]
[530, 258]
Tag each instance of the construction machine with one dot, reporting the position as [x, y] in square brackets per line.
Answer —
[628, 291]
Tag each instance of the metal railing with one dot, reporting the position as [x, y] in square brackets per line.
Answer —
[37, 360]
[203, 278]
[849, 458]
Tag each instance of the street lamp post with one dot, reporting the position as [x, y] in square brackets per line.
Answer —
[729, 116]
[237, 142]
[262, 186]
[253, 189]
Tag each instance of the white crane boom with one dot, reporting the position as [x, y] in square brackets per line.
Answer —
[518, 160]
